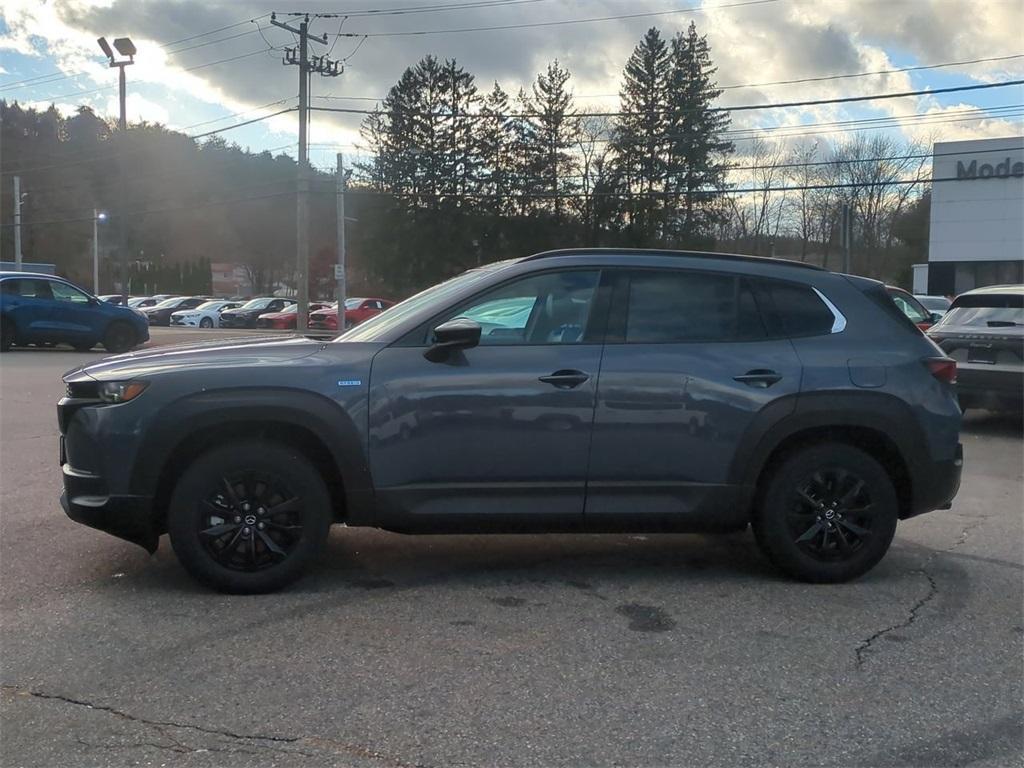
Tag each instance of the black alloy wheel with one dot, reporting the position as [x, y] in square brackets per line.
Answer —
[249, 516]
[206, 323]
[826, 513]
[252, 521]
[831, 514]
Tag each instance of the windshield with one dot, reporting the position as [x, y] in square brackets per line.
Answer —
[209, 305]
[256, 304]
[372, 329]
[172, 302]
[353, 303]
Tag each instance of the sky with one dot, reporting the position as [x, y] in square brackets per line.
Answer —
[204, 65]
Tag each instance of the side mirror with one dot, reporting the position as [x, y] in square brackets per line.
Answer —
[459, 333]
[936, 317]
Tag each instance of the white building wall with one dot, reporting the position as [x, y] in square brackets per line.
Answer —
[978, 219]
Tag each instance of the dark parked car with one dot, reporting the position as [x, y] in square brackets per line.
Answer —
[160, 314]
[984, 332]
[568, 391]
[246, 315]
[43, 310]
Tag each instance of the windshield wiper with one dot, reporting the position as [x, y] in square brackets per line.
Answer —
[1003, 324]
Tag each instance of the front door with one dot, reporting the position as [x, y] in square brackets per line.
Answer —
[74, 318]
[497, 435]
[687, 367]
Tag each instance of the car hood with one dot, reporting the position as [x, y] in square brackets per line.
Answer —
[210, 354]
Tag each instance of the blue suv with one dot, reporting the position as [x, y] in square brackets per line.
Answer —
[42, 309]
[592, 391]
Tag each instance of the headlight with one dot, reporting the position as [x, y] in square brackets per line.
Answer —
[121, 391]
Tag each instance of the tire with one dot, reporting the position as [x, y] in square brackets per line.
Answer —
[828, 514]
[83, 347]
[118, 338]
[206, 323]
[6, 335]
[237, 556]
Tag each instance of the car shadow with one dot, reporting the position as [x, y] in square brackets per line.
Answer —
[993, 424]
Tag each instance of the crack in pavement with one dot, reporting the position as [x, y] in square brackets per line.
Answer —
[865, 646]
[161, 727]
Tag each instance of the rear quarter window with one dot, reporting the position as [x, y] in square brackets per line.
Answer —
[799, 310]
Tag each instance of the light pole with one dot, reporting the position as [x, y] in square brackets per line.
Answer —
[19, 198]
[97, 217]
[125, 47]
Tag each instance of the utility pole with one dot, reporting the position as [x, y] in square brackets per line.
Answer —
[17, 224]
[339, 269]
[307, 65]
[125, 47]
[845, 236]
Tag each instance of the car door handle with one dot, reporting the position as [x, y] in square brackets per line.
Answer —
[758, 377]
[566, 379]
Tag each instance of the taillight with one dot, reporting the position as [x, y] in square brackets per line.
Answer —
[942, 368]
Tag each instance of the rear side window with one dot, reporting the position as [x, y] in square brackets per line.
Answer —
[28, 289]
[799, 309]
[667, 306]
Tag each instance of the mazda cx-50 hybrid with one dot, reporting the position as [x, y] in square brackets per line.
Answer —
[593, 390]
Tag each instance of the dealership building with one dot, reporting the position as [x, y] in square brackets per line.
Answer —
[977, 217]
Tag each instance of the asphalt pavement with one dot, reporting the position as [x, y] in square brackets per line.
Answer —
[559, 650]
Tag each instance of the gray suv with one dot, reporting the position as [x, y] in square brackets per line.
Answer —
[583, 390]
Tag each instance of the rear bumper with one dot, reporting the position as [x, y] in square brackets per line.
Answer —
[937, 485]
[85, 500]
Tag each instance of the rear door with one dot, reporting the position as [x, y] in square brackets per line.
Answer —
[687, 366]
[29, 302]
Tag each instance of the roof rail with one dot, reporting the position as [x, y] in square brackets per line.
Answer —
[661, 252]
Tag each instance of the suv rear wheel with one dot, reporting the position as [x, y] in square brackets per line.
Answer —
[828, 514]
[249, 517]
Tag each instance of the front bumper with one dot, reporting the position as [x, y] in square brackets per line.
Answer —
[85, 500]
[185, 322]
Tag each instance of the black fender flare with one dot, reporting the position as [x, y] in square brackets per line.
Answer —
[323, 418]
[876, 411]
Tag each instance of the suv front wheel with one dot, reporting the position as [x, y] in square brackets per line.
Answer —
[828, 514]
[249, 517]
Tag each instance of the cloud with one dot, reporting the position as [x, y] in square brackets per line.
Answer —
[784, 40]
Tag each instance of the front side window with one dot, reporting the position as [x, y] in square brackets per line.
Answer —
[62, 292]
[550, 308]
[678, 306]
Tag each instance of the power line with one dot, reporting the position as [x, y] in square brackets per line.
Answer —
[408, 10]
[564, 22]
[59, 75]
[101, 158]
[737, 108]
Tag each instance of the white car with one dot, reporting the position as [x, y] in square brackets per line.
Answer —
[937, 305]
[206, 315]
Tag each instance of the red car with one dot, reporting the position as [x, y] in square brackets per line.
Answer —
[356, 310]
[285, 319]
[912, 308]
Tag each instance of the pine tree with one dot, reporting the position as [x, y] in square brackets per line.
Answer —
[639, 138]
[496, 138]
[697, 154]
[551, 132]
